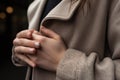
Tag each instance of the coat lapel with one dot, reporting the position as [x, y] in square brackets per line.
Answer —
[63, 11]
[34, 12]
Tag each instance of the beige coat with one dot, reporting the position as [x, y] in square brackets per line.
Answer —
[91, 34]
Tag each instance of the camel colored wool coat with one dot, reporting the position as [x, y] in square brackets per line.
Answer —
[92, 34]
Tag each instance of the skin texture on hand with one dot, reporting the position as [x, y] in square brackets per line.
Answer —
[39, 50]
[24, 45]
[51, 51]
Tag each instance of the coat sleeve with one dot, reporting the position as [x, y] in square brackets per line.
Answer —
[75, 65]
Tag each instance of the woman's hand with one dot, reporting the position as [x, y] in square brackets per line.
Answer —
[47, 55]
[51, 52]
[24, 45]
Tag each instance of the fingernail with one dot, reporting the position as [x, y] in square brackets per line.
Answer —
[37, 44]
[33, 65]
[32, 50]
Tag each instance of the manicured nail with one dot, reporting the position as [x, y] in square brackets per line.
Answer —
[37, 44]
[32, 50]
[33, 65]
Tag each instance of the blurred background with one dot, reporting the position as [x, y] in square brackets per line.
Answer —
[13, 18]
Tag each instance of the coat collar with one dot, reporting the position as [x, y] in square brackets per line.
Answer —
[63, 11]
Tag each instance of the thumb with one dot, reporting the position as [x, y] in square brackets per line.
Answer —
[49, 33]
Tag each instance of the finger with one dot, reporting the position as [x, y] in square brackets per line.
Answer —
[26, 43]
[25, 50]
[38, 38]
[26, 60]
[50, 33]
[39, 56]
[36, 32]
[25, 34]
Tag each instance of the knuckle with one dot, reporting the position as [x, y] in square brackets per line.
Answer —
[19, 33]
[14, 41]
[42, 39]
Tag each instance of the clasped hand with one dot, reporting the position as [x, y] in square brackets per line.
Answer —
[39, 50]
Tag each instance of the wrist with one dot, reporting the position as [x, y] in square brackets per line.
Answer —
[59, 59]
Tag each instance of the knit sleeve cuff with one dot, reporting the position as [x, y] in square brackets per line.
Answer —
[67, 67]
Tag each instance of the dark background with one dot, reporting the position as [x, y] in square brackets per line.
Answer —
[13, 18]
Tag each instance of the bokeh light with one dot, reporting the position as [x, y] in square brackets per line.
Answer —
[2, 15]
[9, 9]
